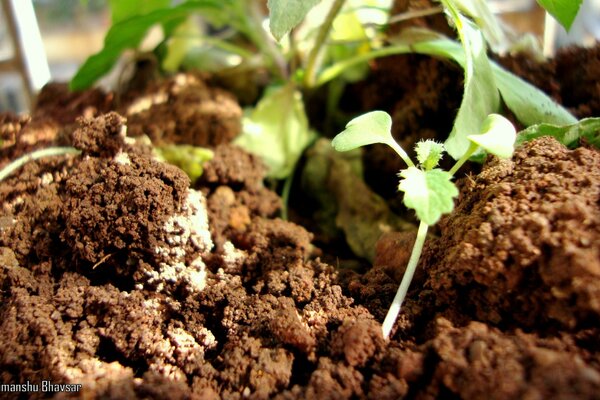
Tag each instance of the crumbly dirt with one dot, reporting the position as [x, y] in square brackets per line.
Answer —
[183, 110]
[523, 242]
[115, 275]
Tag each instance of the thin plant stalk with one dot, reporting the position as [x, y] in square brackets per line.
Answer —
[400, 151]
[472, 148]
[311, 64]
[392, 315]
[47, 152]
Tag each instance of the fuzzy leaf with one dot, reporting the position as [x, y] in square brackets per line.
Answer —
[372, 127]
[569, 135]
[128, 34]
[497, 136]
[429, 193]
[429, 153]
[277, 130]
[284, 15]
[564, 11]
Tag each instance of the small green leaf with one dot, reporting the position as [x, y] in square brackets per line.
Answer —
[372, 127]
[284, 15]
[189, 158]
[277, 130]
[429, 153]
[429, 193]
[569, 135]
[497, 136]
[564, 11]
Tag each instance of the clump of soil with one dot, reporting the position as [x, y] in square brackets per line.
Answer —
[115, 275]
[100, 285]
[521, 249]
[183, 110]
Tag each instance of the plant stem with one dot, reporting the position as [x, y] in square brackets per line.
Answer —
[405, 16]
[261, 39]
[400, 151]
[311, 65]
[392, 315]
[47, 152]
[285, 195]
[472, 148]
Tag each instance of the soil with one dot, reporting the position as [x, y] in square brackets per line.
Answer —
[116, 275]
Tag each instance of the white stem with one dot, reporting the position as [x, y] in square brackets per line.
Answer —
[47, 152]
[392, 315]
[400, 151]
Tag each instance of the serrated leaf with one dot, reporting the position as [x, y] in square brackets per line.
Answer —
[564, 11]
[429, 153]
[569, 135]
[129, 33]
[284, 15]
[429, 193]
[372, 127]
[277, 130]
[497, 136]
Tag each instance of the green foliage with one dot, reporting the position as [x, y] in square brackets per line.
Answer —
[529, 104]
[277, 130]
[480, 96]
[128, 33]
[564, 11]
[124, 9]
[429, 193]
[369, 128]
[429, 153]
[189, 158]
[587, 130]
[497, 136]
[427, 190]
[284, 15]
[372, 127]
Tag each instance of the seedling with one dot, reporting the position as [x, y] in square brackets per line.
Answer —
[427, 189]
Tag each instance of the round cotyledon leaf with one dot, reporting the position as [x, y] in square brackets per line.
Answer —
[369, 128]
[497, 136]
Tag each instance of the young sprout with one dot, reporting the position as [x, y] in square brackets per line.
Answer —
[427, 190]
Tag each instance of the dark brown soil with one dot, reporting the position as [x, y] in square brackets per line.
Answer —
[117, 276]
[198, 114]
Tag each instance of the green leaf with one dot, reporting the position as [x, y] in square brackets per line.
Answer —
[189, 158]
[570, 135]
[372, 127]
[284, 15]
[129, 33]
[429, 153]
[124, 9]
[277, 130]
[564, 11]
[529, 104]
[481, 96]
[429, 193]
[184, 38]
[489, 24]
[497, 136]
